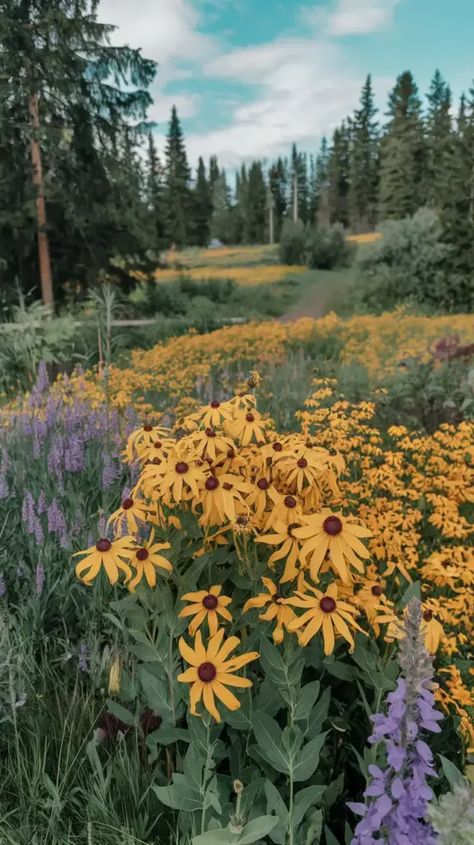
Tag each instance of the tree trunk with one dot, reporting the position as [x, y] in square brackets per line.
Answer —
[46, 279]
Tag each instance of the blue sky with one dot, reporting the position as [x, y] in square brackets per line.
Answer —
[250, 76]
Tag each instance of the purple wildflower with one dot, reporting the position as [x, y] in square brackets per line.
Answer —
[42, 378]
[39, 579]
[41, 507]
[38, 532]
[4, 488]
[57, 523]
[28, 512]
[74, 454]
[110, 472]
[397, 797]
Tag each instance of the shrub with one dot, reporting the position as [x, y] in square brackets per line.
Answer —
[408, 263]
[327, 248]
[292, 243]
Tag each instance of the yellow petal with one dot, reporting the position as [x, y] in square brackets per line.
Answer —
[328, 634]
[209, 703]
[224, 695]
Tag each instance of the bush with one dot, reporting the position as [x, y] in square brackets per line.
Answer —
[327, 248]
[408, 263]
[293, 243]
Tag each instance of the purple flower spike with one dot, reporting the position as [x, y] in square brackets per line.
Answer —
[397, 798]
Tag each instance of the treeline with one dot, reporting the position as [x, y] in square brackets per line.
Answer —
[80, 172]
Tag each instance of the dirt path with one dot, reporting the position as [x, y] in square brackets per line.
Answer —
[325, 292]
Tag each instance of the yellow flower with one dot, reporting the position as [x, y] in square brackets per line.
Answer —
[247, 427]
[175, 479]
[212, 444]
[146, 559]
[276, 609]
[333, 533]
[289, 548]
[213, 415]
[132, 512]
[114, 676]
[108, 554]
[211, 672]
[206, 604]
[323, 610]
[218, 498]
[142, 438]
[432, 631]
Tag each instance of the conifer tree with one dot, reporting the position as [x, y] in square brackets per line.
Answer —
[202, 206]
[67, 97]
[403, 152]
[439, 140]
[177, 192]
[222, 224]
[154, 194]
[256, 204]
[322, 186]
[364, 163]
[278, 183]
[338, 176]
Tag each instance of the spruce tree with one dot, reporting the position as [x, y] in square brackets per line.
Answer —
[439, 140]
[256, 204]
[364, 163]
[278, 183]
[222, 224]
[338, 176]
[177, 191]
[403, 152]
[67, 96]
[322, 186]
[202, 207]
[154, 194]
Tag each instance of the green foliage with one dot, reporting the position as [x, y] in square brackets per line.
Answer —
[177, 191]
[409, 263]
[292, 243]
[327, 248]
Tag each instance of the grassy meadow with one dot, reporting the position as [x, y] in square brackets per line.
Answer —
[136, 486]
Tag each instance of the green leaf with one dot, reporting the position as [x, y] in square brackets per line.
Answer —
[256, 829]
[304, 799]
[413, 591]
[272, 663]
[348, 834]
[218, 836]
[121, 713]
[315, 827]
[451, 772]
[319, 713]
[270, 742]
[333, 791]
[308, 758]
[156, 692]
[180, 795]
[276, 806]
[340, 670]
[306, 700]
[330, 838]
[145, 652]
[165, 736]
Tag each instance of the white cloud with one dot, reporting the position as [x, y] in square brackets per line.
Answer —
[351, 17]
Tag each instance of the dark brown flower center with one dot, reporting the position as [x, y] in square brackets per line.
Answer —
[302, 463]
[250, 418]
[127, 504]
[277, 447]
[376, 590]
[263, 484]
[210, 602]
[207, 672]
[230, 453]
[327, 604]
[428, 615]
[242, 520]
[157, 444]
[142, 554]
[332, 525]
[147, 428]
[181, 467]
[212, 483]
[210, 432]
[215, 404]
[156, 461]
[227, 485]
[103, 545]
[292, 527]
[290, 502]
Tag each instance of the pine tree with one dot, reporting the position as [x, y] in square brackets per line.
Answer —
[299, 189]
[403, 152]
[256, 204]
[364, 163]
[177, 193]
[154, 194]
[67, 97]
[213, 171]
[322, 186]
[221, 223]
[278, 183]
[202, 206]
[439, 140]
[338, 176]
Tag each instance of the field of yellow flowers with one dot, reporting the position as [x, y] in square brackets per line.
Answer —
[241, 590]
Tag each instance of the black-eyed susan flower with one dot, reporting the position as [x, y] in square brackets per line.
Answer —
[212, 671]
[213, 415]
[176, 479]
[143, 437]
[114, 556]
[276, 609]
[247, 427]
[131, 513]
[289, 548]
[432, 630]
[286, 509]
[220, 496]
[210, 443]
[334, 533]
[323, 611]
[146, 559]
[302, 467]
[206, 605]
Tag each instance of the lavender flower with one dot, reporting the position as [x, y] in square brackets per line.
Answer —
[39, 579]
[28, 514]
[42, 378]
[4, 488]
[41, 506]
[110, 472]
[398, 796]
[83, 661]
[57, 523]
[38, 532]
[74, 454]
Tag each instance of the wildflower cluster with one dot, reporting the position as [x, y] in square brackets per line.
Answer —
[276, 500]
